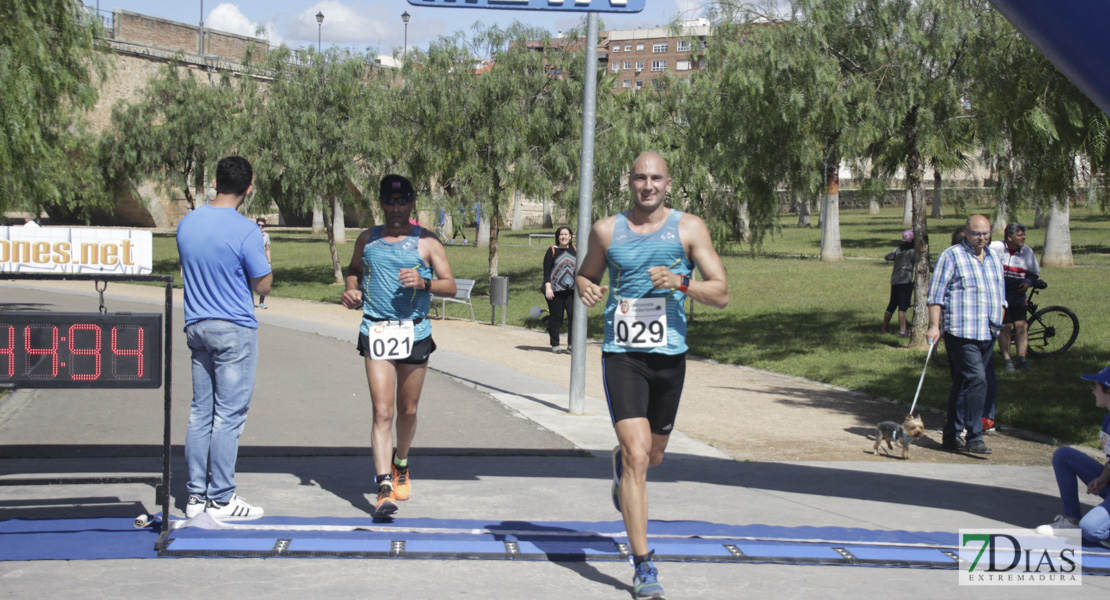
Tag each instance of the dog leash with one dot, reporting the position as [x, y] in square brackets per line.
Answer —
[922, 380]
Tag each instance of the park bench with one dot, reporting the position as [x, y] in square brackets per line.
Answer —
[539, 235]
[463, 287]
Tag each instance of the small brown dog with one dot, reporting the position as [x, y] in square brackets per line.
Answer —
[911, 429]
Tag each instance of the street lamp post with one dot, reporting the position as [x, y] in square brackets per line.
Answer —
[405, 16]
[319, 27]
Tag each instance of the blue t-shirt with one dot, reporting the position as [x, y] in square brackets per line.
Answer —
[220, 250]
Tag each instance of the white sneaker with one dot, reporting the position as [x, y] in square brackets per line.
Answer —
[236, 509]
[194, 507]
[1060, 522]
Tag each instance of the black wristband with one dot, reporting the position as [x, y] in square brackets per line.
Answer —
[427, 285]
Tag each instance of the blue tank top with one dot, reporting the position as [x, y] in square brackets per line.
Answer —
[630, 256]
[383, 298]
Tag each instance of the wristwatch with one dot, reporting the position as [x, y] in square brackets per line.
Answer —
[684, 283]
[427, 285]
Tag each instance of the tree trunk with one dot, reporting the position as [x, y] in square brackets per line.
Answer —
[938, 210]
[803, 212]
[830, 216]
[518, 212]
[547, 222]
[1040, 219]
[907, 207]
[338, 225]
[493, 229]
[743, 220]
[318, 216]
[330, 229]
[1057, 236]
[873, 206]
[483, 227]
[915, 172]
[1001, 217]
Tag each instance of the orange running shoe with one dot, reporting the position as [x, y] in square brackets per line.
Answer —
[387, 502]
[401, 484]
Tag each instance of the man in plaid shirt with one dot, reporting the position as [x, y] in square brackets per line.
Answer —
[967, 296]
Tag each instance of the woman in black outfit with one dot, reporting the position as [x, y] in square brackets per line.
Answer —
[559, 265]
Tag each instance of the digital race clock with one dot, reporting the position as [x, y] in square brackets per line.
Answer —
[80, 350]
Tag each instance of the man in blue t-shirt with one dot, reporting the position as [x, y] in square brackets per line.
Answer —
[222, 260]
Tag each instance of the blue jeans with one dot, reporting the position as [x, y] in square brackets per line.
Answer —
[967, 363]
[1069, 463]
[225, 356]
[992, 391]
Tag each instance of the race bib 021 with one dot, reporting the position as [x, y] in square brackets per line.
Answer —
[391, 340]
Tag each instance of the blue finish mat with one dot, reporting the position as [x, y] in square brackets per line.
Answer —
[114, 538]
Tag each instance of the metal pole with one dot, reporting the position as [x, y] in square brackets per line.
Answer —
[201, 49]
[406, 40]
[585, 209]
[319, 29]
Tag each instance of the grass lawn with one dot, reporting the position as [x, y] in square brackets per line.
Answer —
[794, 315]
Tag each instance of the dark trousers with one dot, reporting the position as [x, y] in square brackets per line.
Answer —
[561, 301]
[967, 363]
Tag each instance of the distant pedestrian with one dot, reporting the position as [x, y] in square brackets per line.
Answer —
[559, 266]
[901, 282]
[222, 259]
[266, 244]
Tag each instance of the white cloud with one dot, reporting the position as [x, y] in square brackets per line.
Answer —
[227, 17]
[342, 25]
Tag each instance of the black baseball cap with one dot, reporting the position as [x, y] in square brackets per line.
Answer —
[396, 184]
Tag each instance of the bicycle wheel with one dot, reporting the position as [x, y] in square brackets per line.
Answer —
[1052, 331]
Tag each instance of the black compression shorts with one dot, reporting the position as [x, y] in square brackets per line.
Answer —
[644, 385]
[421, 350]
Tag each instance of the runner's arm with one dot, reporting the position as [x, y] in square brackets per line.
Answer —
[437, 257]
[352, 295]
[713, 288]
[592, 266]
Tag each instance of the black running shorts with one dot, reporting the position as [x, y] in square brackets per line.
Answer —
[421, 350]
[644, 385]
[1016, 309]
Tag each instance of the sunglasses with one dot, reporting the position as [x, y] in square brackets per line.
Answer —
[395, 201]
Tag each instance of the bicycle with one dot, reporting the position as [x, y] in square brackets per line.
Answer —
[1053, 329]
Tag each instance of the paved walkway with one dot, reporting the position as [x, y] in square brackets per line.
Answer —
[495, 442]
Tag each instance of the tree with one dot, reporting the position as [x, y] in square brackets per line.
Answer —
[484, 117]
[908, 64]
[49, 57]
[1047, 136]
[175, 134]
[773, 110]
[318, 123]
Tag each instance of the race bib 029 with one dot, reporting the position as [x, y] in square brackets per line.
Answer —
[640, 322]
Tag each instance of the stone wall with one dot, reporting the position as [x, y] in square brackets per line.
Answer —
[174, 36]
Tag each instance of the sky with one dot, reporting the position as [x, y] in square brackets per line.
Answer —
[376, 24]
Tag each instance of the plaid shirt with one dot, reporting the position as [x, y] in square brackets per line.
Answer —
[971, 293]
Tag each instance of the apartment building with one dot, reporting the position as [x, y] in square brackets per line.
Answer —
[640, 58]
